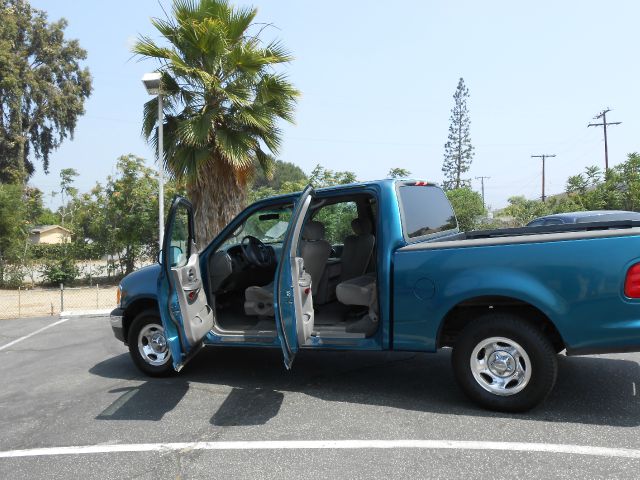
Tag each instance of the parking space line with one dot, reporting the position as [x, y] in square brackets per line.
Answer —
[331, 445]
[17, 340]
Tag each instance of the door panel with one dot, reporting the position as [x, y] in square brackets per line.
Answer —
[292, 287]
[185, 314]
[192, 300]
[303, 301]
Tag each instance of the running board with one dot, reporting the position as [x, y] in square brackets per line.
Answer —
[327, 334]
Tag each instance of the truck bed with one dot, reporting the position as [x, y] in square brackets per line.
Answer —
[549, 233]
[572, 274]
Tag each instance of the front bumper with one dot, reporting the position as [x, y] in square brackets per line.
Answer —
[116, 323]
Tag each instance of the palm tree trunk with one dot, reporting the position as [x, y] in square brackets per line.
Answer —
[217, 197]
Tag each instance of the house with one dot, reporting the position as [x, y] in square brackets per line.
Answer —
[49, 234]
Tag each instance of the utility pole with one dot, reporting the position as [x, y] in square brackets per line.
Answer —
[543, 157]
[482, 179]
[604, 124]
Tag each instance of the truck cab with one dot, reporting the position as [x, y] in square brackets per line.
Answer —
[300, 271]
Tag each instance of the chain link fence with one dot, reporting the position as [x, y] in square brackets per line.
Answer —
[40, 302]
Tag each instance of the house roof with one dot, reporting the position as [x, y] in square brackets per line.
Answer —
[46, 228]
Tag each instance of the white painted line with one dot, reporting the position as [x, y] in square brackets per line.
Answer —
[86, 313]
[331, 445]
[17, 340]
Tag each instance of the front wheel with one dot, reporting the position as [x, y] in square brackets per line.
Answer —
[504, 363]
[148, 345]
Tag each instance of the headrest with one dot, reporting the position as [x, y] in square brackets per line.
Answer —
[313, 231]
[361, 226]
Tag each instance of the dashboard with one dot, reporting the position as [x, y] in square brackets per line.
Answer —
[230, 271]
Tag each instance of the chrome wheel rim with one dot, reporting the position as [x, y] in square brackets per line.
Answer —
[152, 345]
[500, 366]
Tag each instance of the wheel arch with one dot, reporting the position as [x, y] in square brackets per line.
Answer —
[467, 310]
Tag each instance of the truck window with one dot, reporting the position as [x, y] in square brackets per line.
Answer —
[425, 210]
[337, 221]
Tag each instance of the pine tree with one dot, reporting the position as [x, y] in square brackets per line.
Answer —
[458, 151]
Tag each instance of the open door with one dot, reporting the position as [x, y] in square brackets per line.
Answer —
[292, 287]
[185, 314]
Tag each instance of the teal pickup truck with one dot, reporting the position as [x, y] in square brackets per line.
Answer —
[382, 266]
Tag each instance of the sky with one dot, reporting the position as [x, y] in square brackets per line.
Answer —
[377, 80]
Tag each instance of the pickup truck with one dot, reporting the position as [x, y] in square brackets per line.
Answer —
[289, 273]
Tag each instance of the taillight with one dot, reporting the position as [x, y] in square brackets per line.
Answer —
[632, 282]
[118, 295]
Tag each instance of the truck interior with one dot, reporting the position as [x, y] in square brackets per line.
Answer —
[337, 248]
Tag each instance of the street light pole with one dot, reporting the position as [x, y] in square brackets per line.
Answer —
[160, 169]
[151, 82]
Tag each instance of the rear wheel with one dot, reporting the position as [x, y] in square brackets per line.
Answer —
[148, 345]
[504, 363]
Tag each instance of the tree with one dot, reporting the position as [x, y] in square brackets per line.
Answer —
[12, 231]
[42, 88]
[130, 207]
[398, 173]
[458, 151]
[323, 177]
[223, 102]
[67, 191]
[618, 189]
[283, 172]
[523, 210]
[467, 204]
[35, 211]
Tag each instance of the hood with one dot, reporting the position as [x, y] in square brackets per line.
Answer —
[141, 283]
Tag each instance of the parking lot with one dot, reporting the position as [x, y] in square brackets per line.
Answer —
[236, 413]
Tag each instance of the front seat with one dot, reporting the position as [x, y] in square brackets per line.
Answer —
[357, 249]
[314, 250]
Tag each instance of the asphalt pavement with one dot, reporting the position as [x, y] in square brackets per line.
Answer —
[72, 385]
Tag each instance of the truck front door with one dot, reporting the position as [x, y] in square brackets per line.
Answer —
[186, 315]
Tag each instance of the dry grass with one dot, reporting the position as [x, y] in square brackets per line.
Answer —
[41, 302]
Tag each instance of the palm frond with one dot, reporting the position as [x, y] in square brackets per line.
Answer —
[267, 162]
[239, 21]
[222, 99]
[235, 148]
[196, 130]
[146, 47]
[149, 117]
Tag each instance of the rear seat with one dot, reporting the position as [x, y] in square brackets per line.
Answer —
[361, 291]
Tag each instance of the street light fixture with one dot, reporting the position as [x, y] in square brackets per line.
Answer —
[151, 82]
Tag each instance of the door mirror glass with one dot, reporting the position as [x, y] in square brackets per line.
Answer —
[176, 256]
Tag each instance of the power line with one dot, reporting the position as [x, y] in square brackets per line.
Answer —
[604, 124]
[482, 179]
[544, 156]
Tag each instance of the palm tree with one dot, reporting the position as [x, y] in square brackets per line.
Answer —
[222, 104]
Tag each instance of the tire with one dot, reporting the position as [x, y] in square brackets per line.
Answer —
[147, 345]
[504, 363]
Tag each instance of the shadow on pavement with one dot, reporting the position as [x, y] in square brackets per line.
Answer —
[589, 390]
[149, 401]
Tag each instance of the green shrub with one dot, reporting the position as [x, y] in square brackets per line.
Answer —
[12, 276]
[60, 271]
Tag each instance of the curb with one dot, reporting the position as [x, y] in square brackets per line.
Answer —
[85, 313]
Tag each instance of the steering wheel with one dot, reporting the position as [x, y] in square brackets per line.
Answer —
[256, 252]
